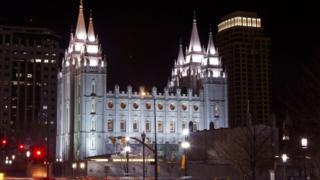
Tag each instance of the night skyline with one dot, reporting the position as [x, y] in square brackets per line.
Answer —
[141, 40]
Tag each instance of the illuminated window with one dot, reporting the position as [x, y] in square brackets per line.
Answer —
[110, 125]
[135, 126]
[93, 124]
[93, 87]
[216, 111]
[93, 143]
[53, 61]
[93, 106]
[148, 128]
[38, 60]
[244, 21]
[159, 126]
[249, 22]
[122, 125]
[172, 127]
[46, 61]
[254, 22]
[29, 75]
[44, 107]
[258, 22]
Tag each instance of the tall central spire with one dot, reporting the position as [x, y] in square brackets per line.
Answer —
[194, 40]
[81, 26]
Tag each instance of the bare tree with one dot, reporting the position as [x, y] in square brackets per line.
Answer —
[248, 149]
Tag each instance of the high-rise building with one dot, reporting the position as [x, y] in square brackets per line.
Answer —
[28, 70]
[89, 116]
[245, 53]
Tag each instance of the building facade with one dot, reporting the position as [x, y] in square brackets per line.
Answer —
[28, 69]
[88, 115]
[245, 52]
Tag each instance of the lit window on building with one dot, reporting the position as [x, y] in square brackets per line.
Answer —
[93, 124]
[216, 111]
[93, 87]
[29, 75]
[148, 128]
[122, 125]
[93, 106]
[44, 107]
[135, 126]
[172, 127]
[160, 126]
[38, 60]
[93, 143]
[110, 125]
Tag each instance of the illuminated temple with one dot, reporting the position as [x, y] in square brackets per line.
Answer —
[88, 115]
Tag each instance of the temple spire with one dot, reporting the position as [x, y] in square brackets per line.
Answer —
[91, 35]
[81, 27]
[180, 59]
[194, 40]
[211, 50]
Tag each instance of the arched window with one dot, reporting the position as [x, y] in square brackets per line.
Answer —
[122, 125]
[172, 127]
[190, 126]
[110, 125]
[93, 87]
[211, 126]
[93, 124]
[216, 111]
[93, 143]
[93, 106]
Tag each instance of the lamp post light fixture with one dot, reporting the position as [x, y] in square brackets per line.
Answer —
[304, 146]
[143, 137]
[185, 132]
[284, 158]
[82, 168]
[74, 167]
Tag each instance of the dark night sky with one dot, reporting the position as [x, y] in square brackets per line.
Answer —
[141, 38]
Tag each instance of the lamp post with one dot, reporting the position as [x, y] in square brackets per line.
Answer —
[185, 146]
[155, 134]
[74, 167]
[155, 139]
[284, 158]
[82, 168]
[143, 137]
[304, 145]
[127, 149]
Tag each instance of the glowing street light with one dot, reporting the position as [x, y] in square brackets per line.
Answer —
[304, 143]
[127, 149]
[185, 132]
[185, 145]
[284, 158]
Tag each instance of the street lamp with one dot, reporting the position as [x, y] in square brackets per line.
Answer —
[127, 149]
[284, 158]
[74, 167]
[185, 146]
[82, 168]
[155, 135]
[304, 145]
[143, 137]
